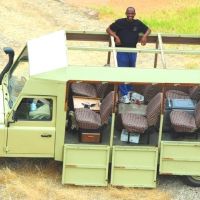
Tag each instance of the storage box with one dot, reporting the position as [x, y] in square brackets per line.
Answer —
[91, 137]
[124, 136]
[133, 137]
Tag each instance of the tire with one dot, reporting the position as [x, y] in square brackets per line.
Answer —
[193, 181]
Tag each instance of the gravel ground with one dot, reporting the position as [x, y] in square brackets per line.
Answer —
[17, 26]
[177, 189]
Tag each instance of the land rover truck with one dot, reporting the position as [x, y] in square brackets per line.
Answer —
[50, 108]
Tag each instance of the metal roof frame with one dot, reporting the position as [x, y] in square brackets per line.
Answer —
[158, 39]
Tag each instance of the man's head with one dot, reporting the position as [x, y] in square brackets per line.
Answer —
[130, 13]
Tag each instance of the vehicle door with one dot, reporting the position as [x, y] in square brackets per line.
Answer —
[31, 127]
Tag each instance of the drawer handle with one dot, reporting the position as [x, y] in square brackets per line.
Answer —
[90, 136]
[46, 135]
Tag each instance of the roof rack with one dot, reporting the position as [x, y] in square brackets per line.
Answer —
[158, 39]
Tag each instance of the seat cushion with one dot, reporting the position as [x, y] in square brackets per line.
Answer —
[176, 94]
[150, 91]
[106, 107]
[154, 110]
[182, 121]
[195, 93]
[197, 114]
[84, 89]
[134, 123]
[101, 89]
[87, 119]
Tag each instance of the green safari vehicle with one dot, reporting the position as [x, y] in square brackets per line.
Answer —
[52, 108]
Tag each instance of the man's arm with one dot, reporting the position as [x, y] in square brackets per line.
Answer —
[143, 40]
[112, 33]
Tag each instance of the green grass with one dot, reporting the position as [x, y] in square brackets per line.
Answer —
[185, 20]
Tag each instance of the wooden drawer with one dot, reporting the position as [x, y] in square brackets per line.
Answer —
[90, 137]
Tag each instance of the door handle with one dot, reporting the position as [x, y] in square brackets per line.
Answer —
[46, 135]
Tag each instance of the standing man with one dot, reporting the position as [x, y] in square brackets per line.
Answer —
[126, 34]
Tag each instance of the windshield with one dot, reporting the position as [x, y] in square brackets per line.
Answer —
[18, 76]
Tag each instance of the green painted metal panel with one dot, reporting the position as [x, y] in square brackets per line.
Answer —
[53, 89]
[2, 139]
[124, 74]
[85, 165]
[180, 158]
[29, 140]
[134, 166]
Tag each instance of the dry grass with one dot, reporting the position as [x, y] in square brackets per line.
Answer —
[37, 179]
[40, 179]
[143, 7]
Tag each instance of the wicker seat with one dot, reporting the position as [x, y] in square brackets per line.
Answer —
[89, 90]
[88, 119]
[194, 93]
[138, 123]
[183, 121]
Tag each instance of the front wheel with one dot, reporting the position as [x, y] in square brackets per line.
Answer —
[192, 180]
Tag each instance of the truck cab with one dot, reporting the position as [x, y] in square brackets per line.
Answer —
[29, 107]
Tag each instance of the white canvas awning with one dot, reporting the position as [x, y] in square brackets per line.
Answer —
[47, 53]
